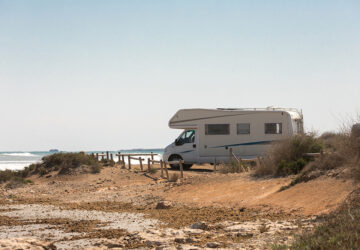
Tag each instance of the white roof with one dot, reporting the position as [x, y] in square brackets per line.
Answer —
[183, 117]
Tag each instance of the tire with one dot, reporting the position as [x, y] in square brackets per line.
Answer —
[187, 166]
[176, 166]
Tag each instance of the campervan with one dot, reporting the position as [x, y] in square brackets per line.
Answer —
[210, 133]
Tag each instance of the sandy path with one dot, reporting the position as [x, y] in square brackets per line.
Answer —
[311, 198]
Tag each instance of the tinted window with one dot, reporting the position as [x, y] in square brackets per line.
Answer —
[217, 129]
[243, 128]
[273, 128]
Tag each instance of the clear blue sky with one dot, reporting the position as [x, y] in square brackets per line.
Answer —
[87, 75]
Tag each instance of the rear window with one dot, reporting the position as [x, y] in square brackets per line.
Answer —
[243, 128]
[273, 128]
[217, 129]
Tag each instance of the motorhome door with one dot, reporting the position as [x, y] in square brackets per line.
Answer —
[187, 146]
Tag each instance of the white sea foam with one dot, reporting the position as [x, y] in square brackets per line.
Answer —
[15, 165]
[20, 154]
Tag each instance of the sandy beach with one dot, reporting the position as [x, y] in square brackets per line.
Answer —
[121, 208]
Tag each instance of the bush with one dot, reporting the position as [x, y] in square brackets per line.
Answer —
[290, 167]
[286, 157]
[65, 162]
[16, 182]
[14, 178]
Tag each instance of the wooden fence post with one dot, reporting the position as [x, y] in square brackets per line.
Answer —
[166, 171]
[107, 155]
[97, 156]
[129, 163]
[152, 156]
[102, 156]
[162, 170]
[119, 156]
[181, 169]
[111, 157]
[141, 165]
[215, 164]
[240, 165]
[123, 161]
[149, 167]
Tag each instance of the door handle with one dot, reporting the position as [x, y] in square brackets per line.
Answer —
[194, 145]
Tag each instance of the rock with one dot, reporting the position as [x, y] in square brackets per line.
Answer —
[199, 225]
[180, 240]
[163, 205]
[212, 244]
[189, 240]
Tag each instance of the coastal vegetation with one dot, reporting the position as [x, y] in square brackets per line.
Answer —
[339, 229]
[286, 157]
[61, 163]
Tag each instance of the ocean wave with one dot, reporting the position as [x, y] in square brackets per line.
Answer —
[19, 154]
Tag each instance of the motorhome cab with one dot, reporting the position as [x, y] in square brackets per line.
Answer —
[209, 133]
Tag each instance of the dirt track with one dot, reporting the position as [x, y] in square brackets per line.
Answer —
[98, 210]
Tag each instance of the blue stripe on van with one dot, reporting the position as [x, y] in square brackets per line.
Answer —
[245, 144]
[187, 151]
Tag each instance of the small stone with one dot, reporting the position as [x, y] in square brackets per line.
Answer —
[163, 205]
[179, 240]
[148, 243]
[212, 244]
[199, 225]
[189, 240]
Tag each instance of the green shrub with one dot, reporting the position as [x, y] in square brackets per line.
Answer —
[290, 167]
[13, 178]
[287, 156]
[64, 162]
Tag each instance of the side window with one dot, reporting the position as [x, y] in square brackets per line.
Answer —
[243, 128]
[189, 136]
[273, 128]
[186, 137]
[217, 129]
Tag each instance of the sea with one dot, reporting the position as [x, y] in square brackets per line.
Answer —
[17, 160]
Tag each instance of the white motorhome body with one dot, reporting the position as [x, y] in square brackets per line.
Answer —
[209, 133]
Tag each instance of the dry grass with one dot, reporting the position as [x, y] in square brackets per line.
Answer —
[340, 229]
[232, 167]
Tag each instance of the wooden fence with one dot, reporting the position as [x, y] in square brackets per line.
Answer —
[240, 162]
[138, 157]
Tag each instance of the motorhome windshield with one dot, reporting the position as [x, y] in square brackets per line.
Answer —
[187, 136]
